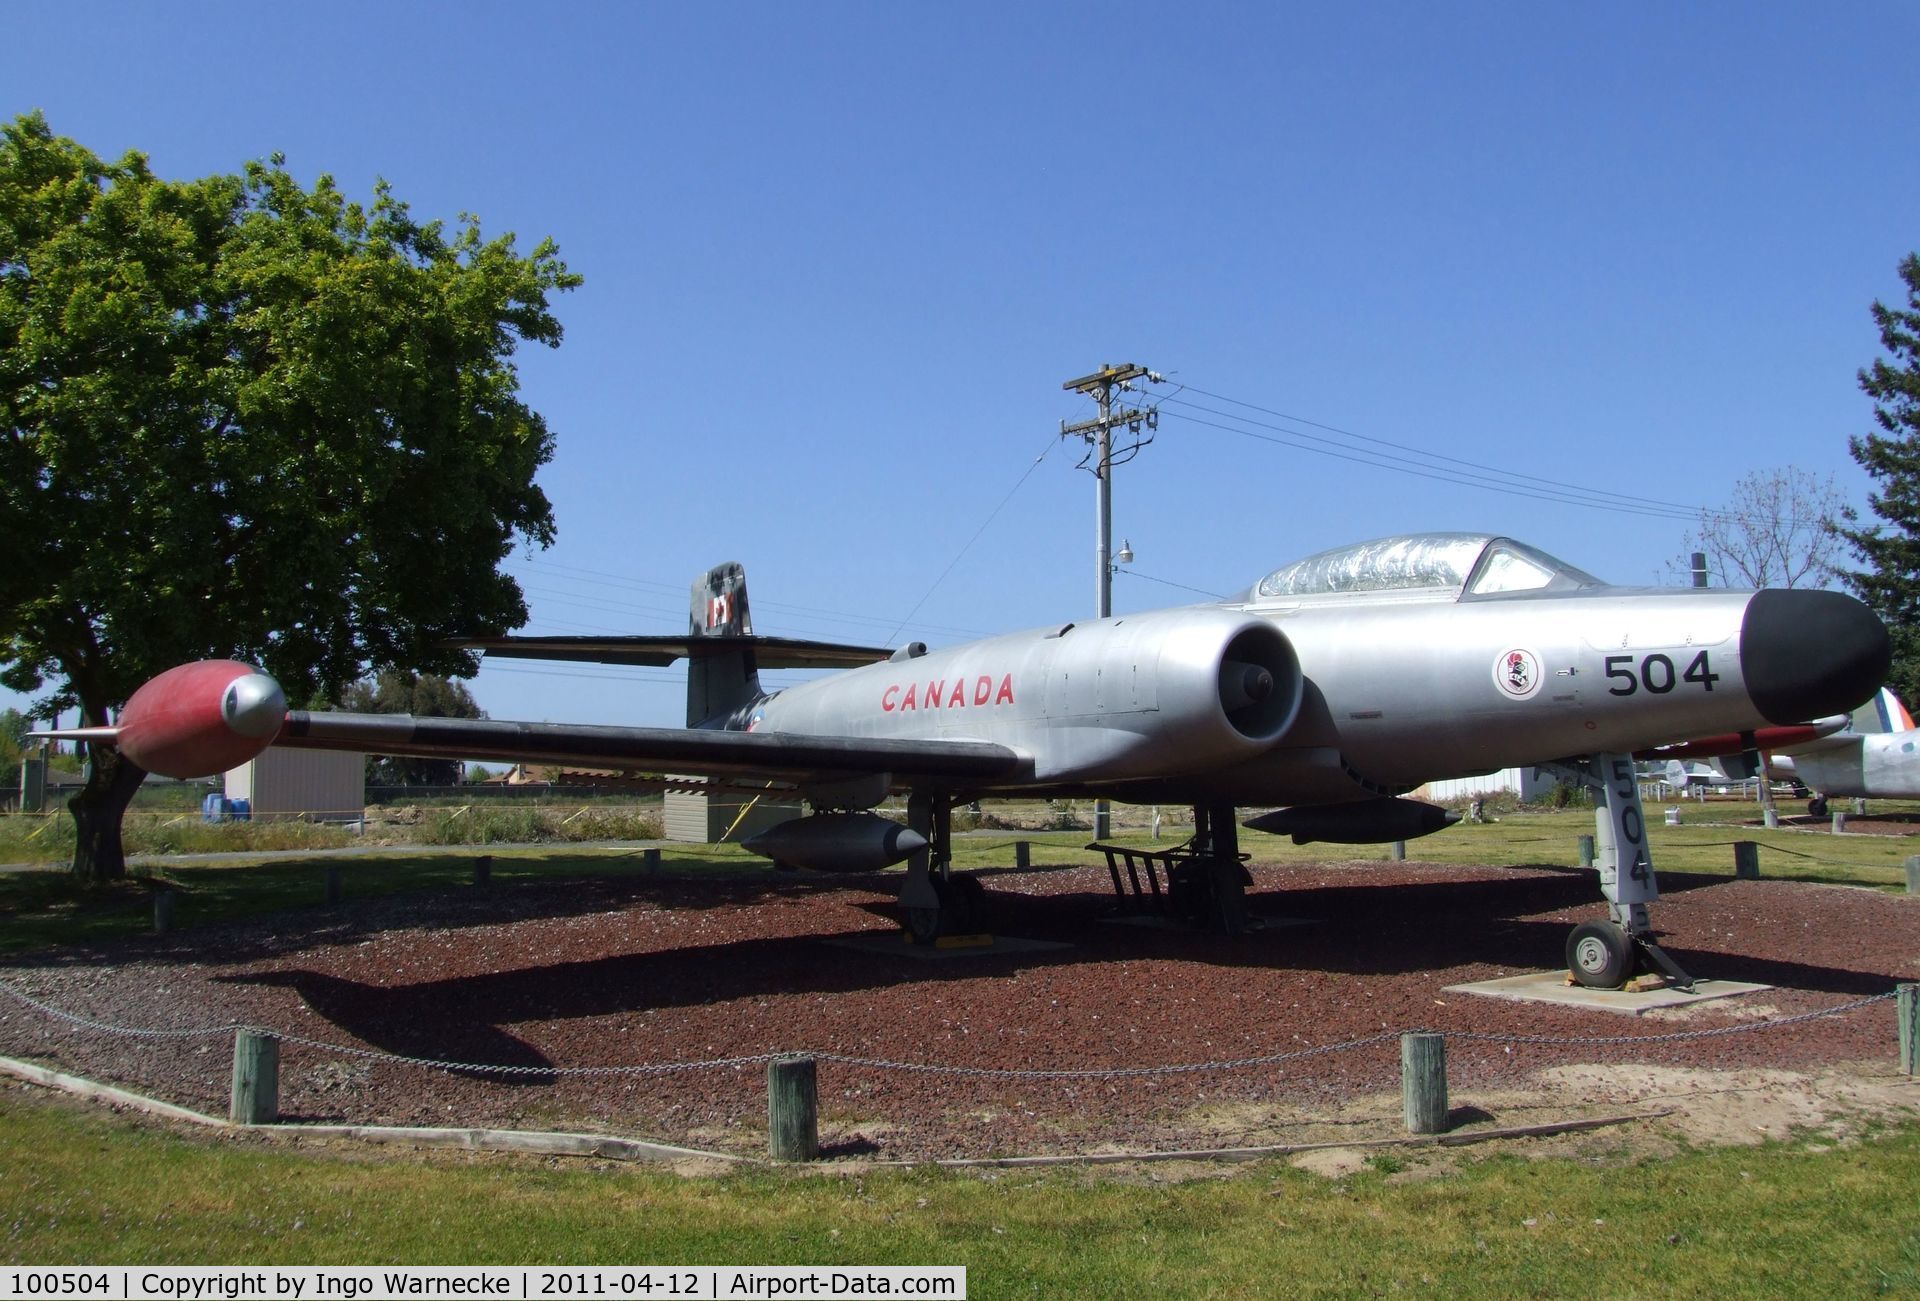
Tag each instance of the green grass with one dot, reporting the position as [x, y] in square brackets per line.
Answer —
[1783, 1220]
[49, 838]
[81, 1185]
[47, 907]
[1703, 842]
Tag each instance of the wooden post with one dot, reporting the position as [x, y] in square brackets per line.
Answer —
[1423, 1082]
[793, 1109]
[1398, 851]
[1908, 1005]
[333, 886]
[1913, 874]
[483, 869]
[256, 1079]
[1746, 860]
[162, 910]
[1586, 851]
[1022, 854]
[650, 861]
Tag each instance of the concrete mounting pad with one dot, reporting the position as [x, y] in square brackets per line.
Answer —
[895, 944]
[1552, 987]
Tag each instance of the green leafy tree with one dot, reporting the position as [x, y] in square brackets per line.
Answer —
[249, 418]
[14, 727]
[1889, 550]
[424, 695]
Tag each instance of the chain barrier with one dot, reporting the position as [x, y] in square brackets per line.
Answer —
[109, 1028]
[930, 1068]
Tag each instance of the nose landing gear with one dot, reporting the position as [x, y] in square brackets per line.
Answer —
[1605, 954]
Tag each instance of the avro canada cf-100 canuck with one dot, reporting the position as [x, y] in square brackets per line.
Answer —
[1332, 689]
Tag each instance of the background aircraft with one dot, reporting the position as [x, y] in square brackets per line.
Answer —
[1877, 755]
[1333, 687]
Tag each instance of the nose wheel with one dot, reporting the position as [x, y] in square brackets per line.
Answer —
[1603, 954]
[1600, 955]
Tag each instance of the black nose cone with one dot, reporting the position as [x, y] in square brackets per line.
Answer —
[1811, 654]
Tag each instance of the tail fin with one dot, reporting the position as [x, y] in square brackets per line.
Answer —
[1884, 713]
[720, 603]
[721, 679]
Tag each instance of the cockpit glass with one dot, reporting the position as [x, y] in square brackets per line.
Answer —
[1506, 570]
[1467, 564]
[1426, 560]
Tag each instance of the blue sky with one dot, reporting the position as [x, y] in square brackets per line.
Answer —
[840, 257]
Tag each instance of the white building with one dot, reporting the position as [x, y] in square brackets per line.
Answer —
[316, 785]
[1527, 783]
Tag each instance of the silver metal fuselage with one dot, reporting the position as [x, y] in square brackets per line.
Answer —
[1375, 693]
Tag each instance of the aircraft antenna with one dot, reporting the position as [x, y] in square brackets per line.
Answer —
[1098, 434]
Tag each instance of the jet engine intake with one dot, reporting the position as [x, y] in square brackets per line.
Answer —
[1259, 682]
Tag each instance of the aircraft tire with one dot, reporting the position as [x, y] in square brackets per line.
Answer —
[1600, 955]
[967, 901]
[1817, 806]
[925, 925]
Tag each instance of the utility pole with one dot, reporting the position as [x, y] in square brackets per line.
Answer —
[1099, 433]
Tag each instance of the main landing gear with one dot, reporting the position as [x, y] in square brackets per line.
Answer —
[1208, 885]
[936, 900]
[1605, 954]
[1206, 879]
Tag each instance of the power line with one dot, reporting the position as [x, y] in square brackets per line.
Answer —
[1633, 499]
[1446, 469]
[968, 544]
[1461, 480]
[1130, 572]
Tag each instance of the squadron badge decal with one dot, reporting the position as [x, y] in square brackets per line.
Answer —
[1517, 673]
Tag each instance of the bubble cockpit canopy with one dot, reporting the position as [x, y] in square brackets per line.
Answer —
[1461, 565]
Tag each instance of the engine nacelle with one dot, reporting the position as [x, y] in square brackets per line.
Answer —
[1167, 692]
[1160, 694]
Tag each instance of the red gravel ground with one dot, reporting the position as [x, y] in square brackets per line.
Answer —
[615, 973]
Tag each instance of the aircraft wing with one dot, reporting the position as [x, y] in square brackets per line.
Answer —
[776, 755]
[768, 652]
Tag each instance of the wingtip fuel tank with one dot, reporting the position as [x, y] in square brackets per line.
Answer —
[202, 718]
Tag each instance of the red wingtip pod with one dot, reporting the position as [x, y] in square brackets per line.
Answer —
[200, 719]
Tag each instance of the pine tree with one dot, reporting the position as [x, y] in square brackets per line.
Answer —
[1890, 549]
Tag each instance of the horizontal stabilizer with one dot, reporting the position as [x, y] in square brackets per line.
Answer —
[655, 652]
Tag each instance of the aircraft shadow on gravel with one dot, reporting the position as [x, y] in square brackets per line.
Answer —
[1385, 930]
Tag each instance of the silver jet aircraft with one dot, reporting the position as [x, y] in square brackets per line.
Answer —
[1327, 693]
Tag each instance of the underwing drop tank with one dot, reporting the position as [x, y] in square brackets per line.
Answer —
[1363, 822]
[837, 842]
